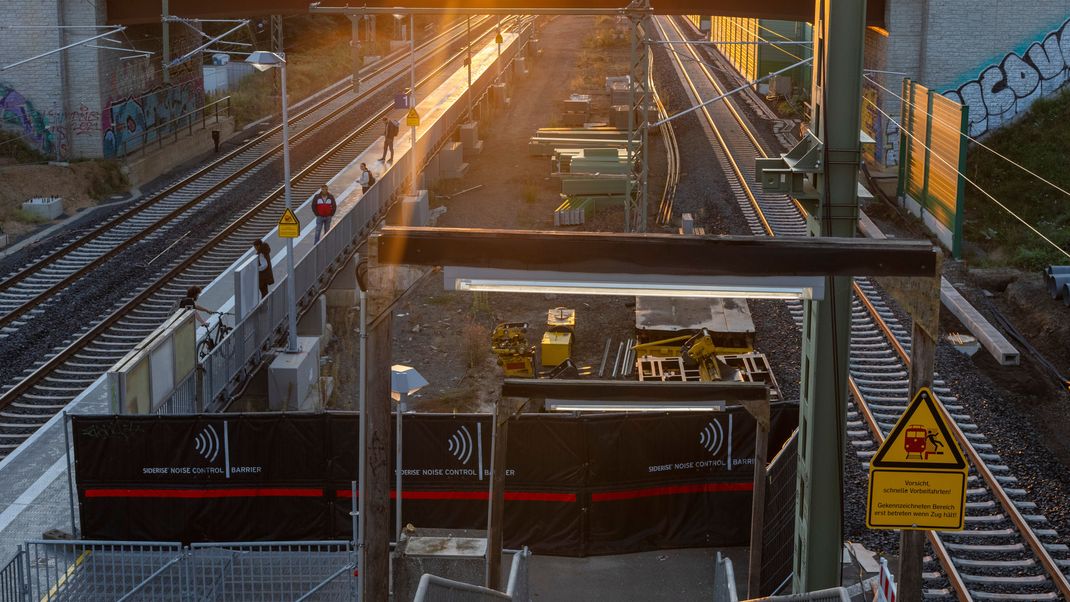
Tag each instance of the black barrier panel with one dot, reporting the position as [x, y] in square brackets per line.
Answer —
[575, 484]
[198, 450]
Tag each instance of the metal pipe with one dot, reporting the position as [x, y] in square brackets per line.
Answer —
[459, 11]
[362, 421]
[117, 29]
[412, 99]
[291, 279]
[70, 475]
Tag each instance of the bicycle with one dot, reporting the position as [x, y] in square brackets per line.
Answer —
[214, 336]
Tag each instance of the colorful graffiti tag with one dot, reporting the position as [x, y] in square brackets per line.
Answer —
[1003, 91]
[129, 123]
[19, 114]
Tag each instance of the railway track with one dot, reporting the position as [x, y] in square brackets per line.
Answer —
[1006, 552]
[25, 292]
[55, 380]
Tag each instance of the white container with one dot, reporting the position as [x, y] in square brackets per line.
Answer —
[49, 207]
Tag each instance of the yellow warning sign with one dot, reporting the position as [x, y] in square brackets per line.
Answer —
[917, 479]
[498, 39]
[289, 227]
[413, 118]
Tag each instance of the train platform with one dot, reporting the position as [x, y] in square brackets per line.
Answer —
[34, 498]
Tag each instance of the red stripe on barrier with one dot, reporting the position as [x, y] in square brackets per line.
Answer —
[632, 494]
[510, 496]
[206, 493]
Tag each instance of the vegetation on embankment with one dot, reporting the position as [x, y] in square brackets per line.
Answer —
[1038, 141]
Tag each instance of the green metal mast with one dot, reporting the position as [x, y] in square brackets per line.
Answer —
[822, 173]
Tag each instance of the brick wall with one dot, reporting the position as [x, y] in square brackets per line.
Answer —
[86, 102]
[31, 94]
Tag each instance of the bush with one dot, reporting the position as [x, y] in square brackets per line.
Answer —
[475, 343]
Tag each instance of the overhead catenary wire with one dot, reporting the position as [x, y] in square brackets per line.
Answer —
[965, 135]
[970, 181]
[760, 38]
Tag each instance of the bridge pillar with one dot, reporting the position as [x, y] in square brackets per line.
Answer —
[839, 29]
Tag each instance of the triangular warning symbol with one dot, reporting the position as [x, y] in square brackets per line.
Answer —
[412, 114]
[288, 219]
[920, 440]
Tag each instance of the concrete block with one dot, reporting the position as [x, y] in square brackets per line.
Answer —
[292, 376]
[499, 95]
[520, 66]
[470, 139]
[451, 161]
[3, 241]
[47, 207]
[411, 211]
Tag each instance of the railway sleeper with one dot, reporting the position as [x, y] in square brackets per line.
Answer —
[1014, 597]
[1005, 579]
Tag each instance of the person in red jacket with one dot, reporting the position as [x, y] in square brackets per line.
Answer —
[323, 206]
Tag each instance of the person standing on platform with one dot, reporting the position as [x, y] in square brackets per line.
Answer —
[190, 302]
[324, 207]
[264, 275]
[366, 178]
[392, 128]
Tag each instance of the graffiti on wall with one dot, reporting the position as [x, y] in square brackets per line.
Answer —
[129, 123]
[1003, 91]
[18, 114]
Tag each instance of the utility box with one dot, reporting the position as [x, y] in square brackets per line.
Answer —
[292, 376]
[556, 348]
[47, 207]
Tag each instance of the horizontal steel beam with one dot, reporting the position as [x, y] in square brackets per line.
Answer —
[624, 391]
[128, 12]
[666, 254]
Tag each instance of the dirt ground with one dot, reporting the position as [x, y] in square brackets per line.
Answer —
[446, 335]
[81, 185]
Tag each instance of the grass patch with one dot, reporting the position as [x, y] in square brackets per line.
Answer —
[106, 180]
[27, 217]
[1037, 141]
[595, 60]
[13, 149]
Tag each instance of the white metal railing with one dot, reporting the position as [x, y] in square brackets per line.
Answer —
[439, 589]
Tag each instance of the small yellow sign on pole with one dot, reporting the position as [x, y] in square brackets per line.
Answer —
[289, 227]
[498, 39]
[413, 118]
[917, 479]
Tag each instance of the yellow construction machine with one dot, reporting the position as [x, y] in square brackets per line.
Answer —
[509, 342]
[683, 358]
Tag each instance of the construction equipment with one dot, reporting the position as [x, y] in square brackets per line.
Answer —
[559, 336]
[509, 342]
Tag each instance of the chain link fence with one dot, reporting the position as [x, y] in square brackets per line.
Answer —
[778, 537]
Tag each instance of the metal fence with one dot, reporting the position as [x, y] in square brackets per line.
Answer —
[932, 152]
[170, 129]
[778, 536]
[114, 570]
[13, 578]
[724, 581]
[438, 589]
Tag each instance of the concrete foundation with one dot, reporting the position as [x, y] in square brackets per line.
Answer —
[49, 208]
[470, 139]
[343, 291]
[314, 322]
[451, 163]
[293, 376]
[411, 211]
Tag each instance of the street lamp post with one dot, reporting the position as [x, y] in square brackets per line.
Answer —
[404, 381]
[263, 60]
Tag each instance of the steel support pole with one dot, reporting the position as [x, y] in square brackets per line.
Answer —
[839, 27]
[166, 41]
[291, 282]
[468, 61]
[357, 58]
[412, 101]
[403, 397]
[496, 511]
[362, 438]
[276, 45]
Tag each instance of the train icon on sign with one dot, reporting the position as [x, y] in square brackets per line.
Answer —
[711, 437]
[920, 443]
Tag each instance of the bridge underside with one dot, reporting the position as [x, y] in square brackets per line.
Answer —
[125, 12]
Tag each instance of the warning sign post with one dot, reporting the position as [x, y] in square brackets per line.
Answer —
[917, 479]
[289, 226]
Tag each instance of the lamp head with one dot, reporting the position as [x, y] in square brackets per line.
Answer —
[262, 60]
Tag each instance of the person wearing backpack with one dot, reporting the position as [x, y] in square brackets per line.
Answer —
[366, 178]
[324, 207]
[392, 128]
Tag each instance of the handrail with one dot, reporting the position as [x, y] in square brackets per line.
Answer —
[188, 117]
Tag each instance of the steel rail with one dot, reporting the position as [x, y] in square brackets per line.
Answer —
[672, 155]
[943, 556]
[43, 371]
[67, 248]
